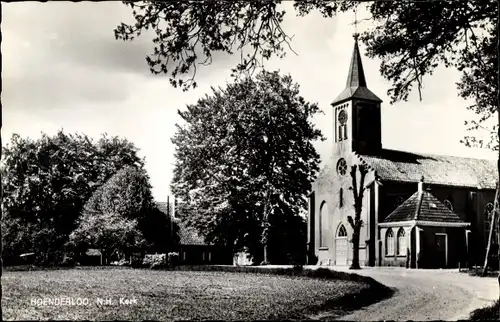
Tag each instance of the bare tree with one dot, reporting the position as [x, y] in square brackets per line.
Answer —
[357, 223]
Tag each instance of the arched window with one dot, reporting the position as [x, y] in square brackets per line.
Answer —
[389, 243]
[341, 198]
[448, 204]
[323, 225]
[401, 242]
[341, 232]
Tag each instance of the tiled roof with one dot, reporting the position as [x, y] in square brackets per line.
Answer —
[423, 206]
[356, 92]
[187, 235]
[437, 169]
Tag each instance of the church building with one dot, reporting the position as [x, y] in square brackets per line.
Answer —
[419, 210]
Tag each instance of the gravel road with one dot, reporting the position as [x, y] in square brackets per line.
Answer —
[425, 294]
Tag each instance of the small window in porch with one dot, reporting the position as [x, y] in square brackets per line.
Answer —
[401, 242]
[389, 243]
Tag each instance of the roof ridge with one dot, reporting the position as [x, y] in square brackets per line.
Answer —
[419, 204]
[363, 161]
[436, 155]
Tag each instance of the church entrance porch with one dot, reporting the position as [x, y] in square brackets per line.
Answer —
[423, 232]
[423, 246]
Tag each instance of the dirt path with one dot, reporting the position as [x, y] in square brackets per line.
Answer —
[426, 295]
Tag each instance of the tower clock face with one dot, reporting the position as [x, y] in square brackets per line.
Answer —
[342, 118]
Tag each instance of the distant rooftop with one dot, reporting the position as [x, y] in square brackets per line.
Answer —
[187, 235]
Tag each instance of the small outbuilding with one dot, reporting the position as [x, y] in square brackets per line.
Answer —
[92, 257]
[423, 233]
[192, 247]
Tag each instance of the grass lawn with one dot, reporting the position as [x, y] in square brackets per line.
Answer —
[165, 295]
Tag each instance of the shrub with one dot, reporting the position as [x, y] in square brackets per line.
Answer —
[121, 262]
[173, 259]
[155, 261]
[489, 313]
[68, 261]
[136, 262]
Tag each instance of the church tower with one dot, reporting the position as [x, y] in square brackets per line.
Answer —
[357, 119]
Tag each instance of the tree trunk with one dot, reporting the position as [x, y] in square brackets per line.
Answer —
[490, 234]
[265, 233]
[265, 224]
[498, 114]
[355, 246]
[1, 199]
[356, 223]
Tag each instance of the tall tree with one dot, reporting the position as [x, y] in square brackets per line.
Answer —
[121, 217]
[244, 155]
[46, 183]
[109, 232]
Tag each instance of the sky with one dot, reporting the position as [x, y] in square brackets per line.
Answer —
[63, 69]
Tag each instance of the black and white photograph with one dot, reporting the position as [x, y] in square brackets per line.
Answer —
[250, 160]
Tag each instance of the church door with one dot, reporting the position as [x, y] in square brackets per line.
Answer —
[341, 249]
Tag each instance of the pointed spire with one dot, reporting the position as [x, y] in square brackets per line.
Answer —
[356, 81]
[356, 76]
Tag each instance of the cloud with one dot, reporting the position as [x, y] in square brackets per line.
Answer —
[62, 85]
[66, 53]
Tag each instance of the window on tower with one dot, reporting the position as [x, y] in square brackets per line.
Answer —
[342, 124]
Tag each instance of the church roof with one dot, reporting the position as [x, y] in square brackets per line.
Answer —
[356, 80]
[423, 206]
[391, 165]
